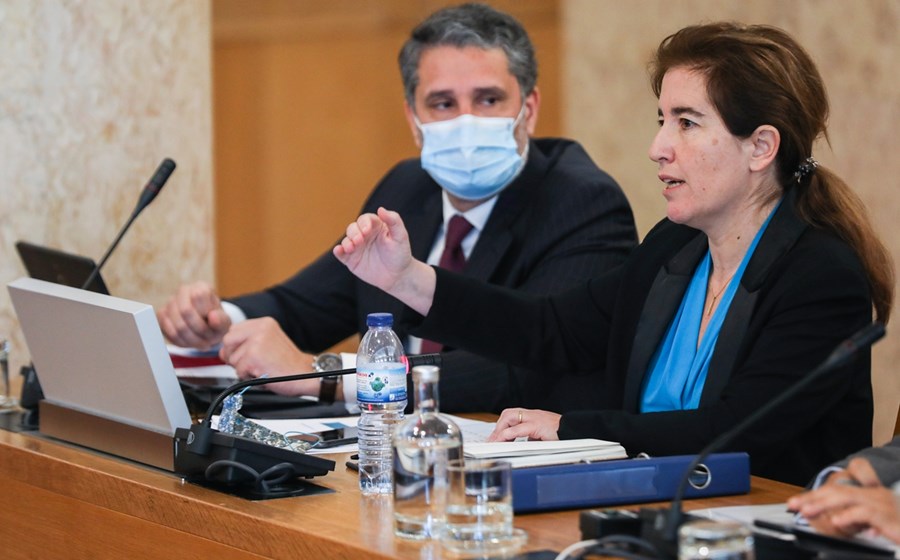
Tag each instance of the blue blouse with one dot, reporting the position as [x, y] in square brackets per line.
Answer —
[679, 367]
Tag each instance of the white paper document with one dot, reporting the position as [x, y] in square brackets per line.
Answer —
[313, 426]
[779, 514]
[474, 432]
[225, 373]
[199, 364]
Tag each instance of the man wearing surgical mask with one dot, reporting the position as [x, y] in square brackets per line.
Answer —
[484, 198]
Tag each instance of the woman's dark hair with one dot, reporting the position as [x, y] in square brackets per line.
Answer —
[759, 75]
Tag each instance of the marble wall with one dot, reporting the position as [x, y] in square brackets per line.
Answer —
[93, 95]
[608, 105]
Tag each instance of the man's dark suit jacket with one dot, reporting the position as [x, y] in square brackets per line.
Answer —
[560, 222]
[803, 292]
[884, 459]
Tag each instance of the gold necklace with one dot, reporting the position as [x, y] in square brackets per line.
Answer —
[715, 297]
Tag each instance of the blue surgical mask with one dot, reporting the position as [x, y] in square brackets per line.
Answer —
[471, 157]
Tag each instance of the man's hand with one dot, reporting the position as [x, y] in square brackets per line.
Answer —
[194, 317]
[522, 422]
[257, 347]
[850, 502]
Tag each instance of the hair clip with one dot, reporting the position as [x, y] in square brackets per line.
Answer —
[806, 168]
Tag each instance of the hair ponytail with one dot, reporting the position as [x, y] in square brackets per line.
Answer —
[825, 201]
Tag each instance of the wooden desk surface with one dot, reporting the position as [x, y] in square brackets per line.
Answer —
[62, 501]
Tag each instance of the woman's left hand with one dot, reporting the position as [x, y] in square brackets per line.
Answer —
[522, 422]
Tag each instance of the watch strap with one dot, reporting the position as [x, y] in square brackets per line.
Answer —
[328, 389]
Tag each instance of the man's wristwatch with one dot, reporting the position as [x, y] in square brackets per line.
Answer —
[328, 385]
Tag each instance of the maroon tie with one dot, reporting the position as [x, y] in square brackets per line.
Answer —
[452, 259]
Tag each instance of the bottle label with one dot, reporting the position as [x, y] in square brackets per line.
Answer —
[381, 382]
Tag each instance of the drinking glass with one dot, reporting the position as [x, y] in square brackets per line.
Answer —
[719, 540]
[7, 401]
[479, 520]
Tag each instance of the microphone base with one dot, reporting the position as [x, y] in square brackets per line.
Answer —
[245, 467]
[32, 393]
[597, 523]
[648, 524]
[656, 529]
[285, 489]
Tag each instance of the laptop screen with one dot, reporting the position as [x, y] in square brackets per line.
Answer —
[59, 267]
[100, 354]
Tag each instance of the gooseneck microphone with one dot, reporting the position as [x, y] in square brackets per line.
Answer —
[839, 356]
[31, 387]
[150, 191]
[200, 439]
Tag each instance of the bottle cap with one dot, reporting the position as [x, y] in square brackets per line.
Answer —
[380, 320]
[427, 374]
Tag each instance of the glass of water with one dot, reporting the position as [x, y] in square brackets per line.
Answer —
[7, 401]
[718, 540]
[479, 521]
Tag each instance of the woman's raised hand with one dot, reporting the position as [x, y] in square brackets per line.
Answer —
[376, 250]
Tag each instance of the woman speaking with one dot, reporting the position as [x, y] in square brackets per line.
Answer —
[764, 263]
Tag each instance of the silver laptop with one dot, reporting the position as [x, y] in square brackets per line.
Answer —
[107, 377]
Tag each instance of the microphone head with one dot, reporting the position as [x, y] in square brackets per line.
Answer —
[162, 173]
[155, 184]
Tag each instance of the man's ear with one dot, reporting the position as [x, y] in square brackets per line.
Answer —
[532, 106]
[765, 142]
[411, 121]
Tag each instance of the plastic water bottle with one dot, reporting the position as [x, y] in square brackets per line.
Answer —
[424, 444]
[381, 395]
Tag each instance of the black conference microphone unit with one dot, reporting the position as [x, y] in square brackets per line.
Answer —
[205, 454]
[31, 388]
[660, 526]
[151, 189]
